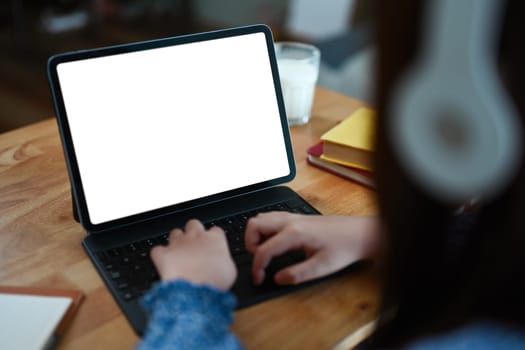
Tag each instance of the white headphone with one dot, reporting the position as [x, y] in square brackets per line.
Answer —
[453, 126]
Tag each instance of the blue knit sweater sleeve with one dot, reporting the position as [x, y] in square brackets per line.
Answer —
[188, 316]
[480, 336]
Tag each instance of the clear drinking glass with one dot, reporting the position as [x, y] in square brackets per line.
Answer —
[298, 69]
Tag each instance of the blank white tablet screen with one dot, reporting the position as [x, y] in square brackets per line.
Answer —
[163, 126]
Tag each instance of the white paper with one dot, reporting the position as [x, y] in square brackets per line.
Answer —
[28, 321]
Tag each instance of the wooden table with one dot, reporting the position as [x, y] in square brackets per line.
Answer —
[40, 245]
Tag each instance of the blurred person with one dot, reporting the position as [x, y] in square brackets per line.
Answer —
[452, 269]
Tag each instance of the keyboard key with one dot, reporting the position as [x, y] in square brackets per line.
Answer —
[122, 285]
[128, 296]
[132, 248]
[210, 224]
[164, 239]
[114, 274]
[281, 207]
[236, 239]
[114, 253]
[307, 210]
[237, 250]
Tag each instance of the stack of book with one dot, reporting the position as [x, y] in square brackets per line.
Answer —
[347, 149]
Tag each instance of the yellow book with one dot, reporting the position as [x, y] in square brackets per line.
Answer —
[351, 142]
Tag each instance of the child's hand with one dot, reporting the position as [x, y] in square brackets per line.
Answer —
[330, 243]
[197, 255]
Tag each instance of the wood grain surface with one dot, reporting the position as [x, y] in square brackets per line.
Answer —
[40, 245]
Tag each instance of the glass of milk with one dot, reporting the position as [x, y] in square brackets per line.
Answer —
[298, 69]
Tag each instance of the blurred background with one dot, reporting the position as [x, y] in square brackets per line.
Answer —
[32, 31]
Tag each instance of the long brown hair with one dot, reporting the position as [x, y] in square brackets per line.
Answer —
[436, 279]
